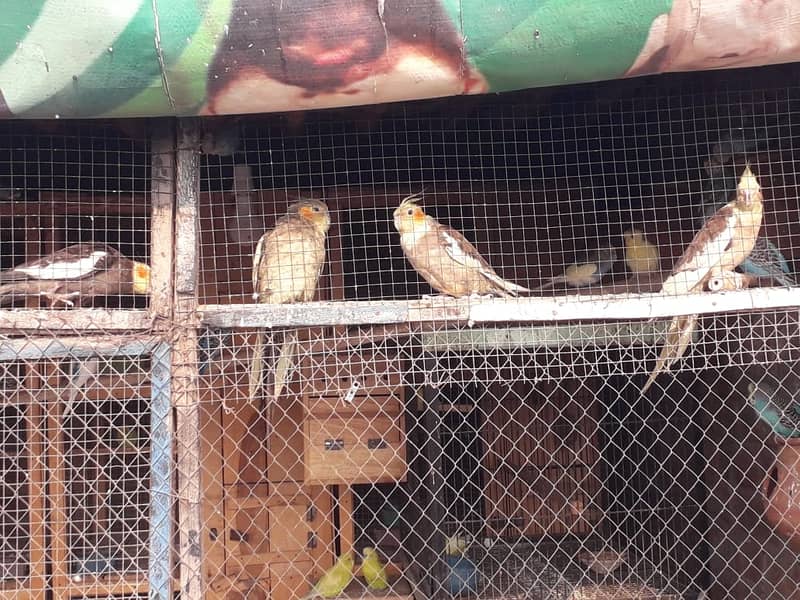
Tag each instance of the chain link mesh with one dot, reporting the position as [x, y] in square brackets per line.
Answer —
[493, 448]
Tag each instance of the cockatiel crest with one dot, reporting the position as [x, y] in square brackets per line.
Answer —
[444, 257]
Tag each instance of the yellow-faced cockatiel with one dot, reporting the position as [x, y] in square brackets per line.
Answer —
[76, 274]
[719, 247]
[286, 267]
[444, 258]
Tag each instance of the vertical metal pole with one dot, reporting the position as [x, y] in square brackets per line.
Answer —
[161, 442]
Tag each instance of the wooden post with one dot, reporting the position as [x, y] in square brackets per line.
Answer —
[186, 398]
[162, 223]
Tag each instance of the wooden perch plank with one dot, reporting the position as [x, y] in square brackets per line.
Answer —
[28, 348]
[90, 319]
[495, 310]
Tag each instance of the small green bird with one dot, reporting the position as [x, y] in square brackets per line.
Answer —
[778, 409]
[373, 571]
[334, 581]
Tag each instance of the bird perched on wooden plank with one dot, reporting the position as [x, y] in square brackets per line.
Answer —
[641, 255]
[286, 267]
[725, 240]
[374, 572]
[334, 581]
[444, 257]
[76, 274]
[586, 271]
[778, 409]
[765, 261]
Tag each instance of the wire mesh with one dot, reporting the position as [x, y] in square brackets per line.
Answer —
[485, 447]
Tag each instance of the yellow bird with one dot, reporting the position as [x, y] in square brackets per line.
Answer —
[335, 580]
[373, 571]
[641, 256]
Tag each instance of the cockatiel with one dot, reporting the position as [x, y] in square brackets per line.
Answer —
[76, 274]
[765, 260]
[719, 247]
[777, 409]
[587, 271]
[374, 572]
[334, 581]
[286, 267]
[444, 257]
[641, 256]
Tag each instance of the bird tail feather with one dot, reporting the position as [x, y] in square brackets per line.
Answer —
[257, 365]
[678, 337]
[284, 362]
[505, 285]
[551, 283]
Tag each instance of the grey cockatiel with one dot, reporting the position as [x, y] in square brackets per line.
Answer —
[286, 267]
[444, 257]
[76, 274]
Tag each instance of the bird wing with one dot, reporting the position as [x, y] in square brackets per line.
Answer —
[704, 252]
[73, 262]
[457, 247]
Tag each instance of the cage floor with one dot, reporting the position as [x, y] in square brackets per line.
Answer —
[538, 570]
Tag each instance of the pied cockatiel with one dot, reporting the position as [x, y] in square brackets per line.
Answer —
[76, 274]
[723, 243]
[444, 258]
[286, 267]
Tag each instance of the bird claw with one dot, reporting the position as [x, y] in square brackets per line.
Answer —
[63, 298]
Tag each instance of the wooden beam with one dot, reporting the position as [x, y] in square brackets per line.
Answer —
[162, 194]
[186, 397]
[573, 307]
[31, 348]
[73, 320]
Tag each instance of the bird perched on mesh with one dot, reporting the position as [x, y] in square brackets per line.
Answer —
[587, 270]
[641, 255]
[444, 258]
[75, 275]
[778, 409]
[725, 240]
[374, 572]
[286, 267]
[334, 581]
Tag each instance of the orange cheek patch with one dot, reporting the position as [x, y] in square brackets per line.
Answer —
[306, 212]
[418, 216]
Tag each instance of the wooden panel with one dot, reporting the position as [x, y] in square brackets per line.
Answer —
[285, 456]
[334, 374]
[365, 406]
[290, 580]
[349, 457]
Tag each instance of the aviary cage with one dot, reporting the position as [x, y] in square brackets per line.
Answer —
[497, 448]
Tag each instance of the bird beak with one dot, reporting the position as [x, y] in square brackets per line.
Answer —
[748, 185]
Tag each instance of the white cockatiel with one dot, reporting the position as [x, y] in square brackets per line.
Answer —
[724, 242]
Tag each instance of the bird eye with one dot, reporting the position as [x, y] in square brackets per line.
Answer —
[316, 209]
[410, 211]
